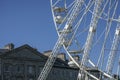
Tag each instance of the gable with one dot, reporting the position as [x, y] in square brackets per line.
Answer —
[25, 53]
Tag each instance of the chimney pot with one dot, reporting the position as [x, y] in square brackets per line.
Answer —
[9, 46]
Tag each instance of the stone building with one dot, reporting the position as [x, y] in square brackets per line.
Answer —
[26, 63]
[60, 55]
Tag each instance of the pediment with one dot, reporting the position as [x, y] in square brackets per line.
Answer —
[25, 53]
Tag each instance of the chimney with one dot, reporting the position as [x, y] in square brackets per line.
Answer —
[62, 56]
[76, 58]
[47, 53]
[9, 46]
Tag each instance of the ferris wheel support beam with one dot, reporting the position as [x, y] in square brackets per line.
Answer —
[92, 30]
[108, 27]
[118, 70]
[113, 52]
[50, 62]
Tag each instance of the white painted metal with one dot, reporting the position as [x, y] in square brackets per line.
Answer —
[108, 28]
[93, 26]
[118, 69]
[52, 57]
[113, 51]
[67, 34]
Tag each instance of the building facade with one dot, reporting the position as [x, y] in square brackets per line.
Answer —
[59, 55]
[26, 63]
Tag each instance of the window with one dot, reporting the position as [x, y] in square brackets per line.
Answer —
[7, 67]
[20, 78]
[19, 68]
[40, 69]
[31, 69]
[0, 69]
[31, 79]
[6, 77]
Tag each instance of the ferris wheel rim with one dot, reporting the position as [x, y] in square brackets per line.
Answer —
[59, 33]
[69, 54]
[53, 15]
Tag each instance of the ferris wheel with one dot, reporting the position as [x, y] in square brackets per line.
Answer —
[77, 23]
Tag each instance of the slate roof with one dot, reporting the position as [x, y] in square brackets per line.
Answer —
[2, 51]
[5, 52]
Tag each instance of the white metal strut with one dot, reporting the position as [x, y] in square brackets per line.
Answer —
[92, 30]
[113, 52]
[59, 43]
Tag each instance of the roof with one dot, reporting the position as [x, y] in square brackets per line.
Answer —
[5, 53]
[8, 52]
[2, 51]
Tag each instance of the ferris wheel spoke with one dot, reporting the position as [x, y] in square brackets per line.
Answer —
[108, 27]
[54, 4]
[77, 25]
